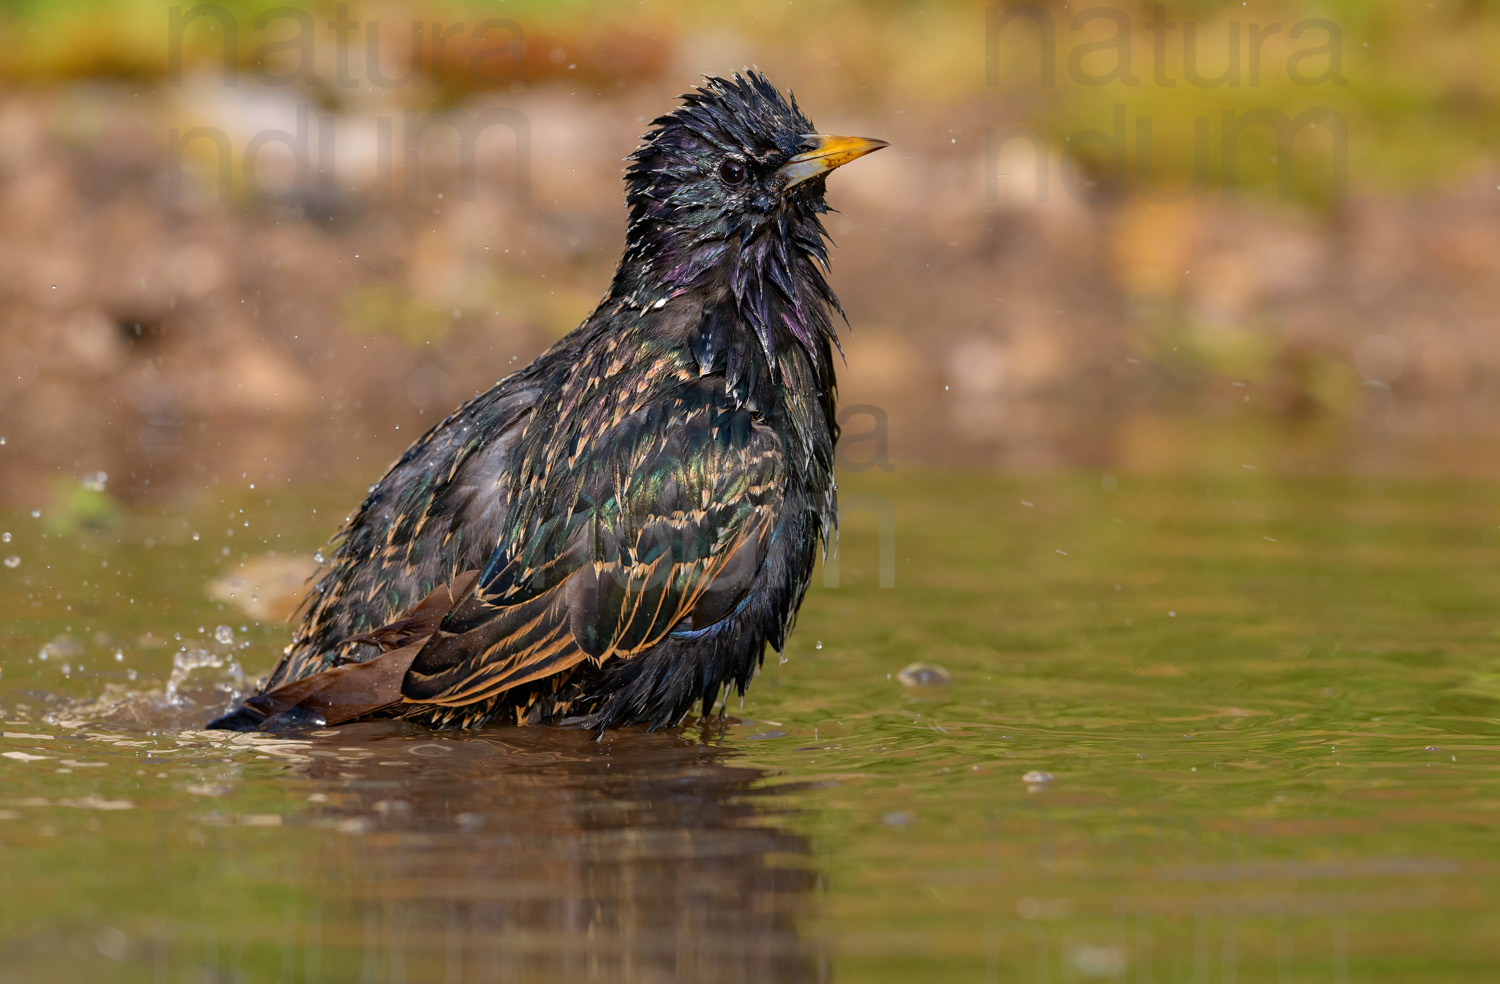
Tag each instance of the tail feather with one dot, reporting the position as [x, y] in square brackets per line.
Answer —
[352, 690]
[332, 696]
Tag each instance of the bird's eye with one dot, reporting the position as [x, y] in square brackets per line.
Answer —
[732, 172]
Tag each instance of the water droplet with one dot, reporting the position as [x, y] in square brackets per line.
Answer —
[12, 561]
[4, 537]
[195, 536]
[224, 634]
[36, 514]
[1037, 776]
[318, 556]
[819, 644]
[96, 482]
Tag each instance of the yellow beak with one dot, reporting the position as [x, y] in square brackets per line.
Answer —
[826, 154]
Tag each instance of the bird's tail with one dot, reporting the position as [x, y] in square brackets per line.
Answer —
[352, 690]
[330, 697]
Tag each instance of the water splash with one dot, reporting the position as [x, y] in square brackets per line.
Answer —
[188, 661]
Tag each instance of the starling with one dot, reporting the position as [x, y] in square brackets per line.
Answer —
[612, 535]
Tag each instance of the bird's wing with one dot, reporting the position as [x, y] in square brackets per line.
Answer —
[654, 529]
[433, 516]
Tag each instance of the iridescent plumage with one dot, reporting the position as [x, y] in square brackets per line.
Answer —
[613, 534]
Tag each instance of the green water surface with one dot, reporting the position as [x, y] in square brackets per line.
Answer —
[1203, 730]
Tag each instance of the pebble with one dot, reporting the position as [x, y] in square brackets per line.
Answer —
[924, 675]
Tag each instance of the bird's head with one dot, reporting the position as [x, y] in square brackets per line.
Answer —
[730, 186]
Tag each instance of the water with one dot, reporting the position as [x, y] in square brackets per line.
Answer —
[1200, 730]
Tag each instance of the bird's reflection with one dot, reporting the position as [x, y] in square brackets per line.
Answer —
[540, 854]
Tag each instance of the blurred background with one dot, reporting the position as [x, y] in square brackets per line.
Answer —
[1163, 639]
[243, 241]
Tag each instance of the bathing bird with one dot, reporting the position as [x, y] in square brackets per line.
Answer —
[614, 534]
